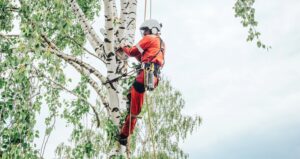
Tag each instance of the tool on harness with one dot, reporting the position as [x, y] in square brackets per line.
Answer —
[149, 76]
[150, 71]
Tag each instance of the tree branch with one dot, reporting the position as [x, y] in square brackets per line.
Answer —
[54, 49]
[111, 107]
[85, 49]
[13, 9]
[93, 84]
[113, 88]
[89, 31]
[71, 92]
[47, 138]
[7, 36]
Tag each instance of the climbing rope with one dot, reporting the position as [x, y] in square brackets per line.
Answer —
[150, 9]
[148, 110]
[145, 10]
[128, 144]
[150, 126]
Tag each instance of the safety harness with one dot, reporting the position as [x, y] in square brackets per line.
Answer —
[151, 69]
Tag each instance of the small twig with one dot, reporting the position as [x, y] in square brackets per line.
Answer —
[85, 49]
[9, 35]
[43, 151]
[13, 9]
[44, 138]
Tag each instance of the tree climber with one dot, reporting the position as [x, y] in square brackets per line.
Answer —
[150, 52]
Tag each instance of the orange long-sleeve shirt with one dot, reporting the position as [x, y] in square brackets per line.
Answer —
[149, 49]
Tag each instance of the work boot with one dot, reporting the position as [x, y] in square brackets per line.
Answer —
[122, 140]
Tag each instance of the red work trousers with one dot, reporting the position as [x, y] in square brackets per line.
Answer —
[136, 99]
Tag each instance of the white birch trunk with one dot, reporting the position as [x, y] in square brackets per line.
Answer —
[131, 19]
[114, 90]
[118, 29]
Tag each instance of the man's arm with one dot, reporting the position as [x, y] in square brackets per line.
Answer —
[137, 50]
[132, 51]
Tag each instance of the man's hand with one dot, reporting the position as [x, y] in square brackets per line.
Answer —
[120, 47]
[124, 44]
[120, 53]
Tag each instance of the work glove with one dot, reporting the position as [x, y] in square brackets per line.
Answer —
[124, 44]
[121, 55]
[119, 50]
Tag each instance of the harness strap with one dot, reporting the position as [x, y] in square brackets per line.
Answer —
[161, 49]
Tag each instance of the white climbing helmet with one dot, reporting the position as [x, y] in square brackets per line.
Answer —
[153, 25]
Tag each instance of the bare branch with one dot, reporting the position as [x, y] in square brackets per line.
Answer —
[54, 49]
[12, 9]
[46, 141]
[7, 36]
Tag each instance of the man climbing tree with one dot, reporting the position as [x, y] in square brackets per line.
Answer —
[51, 36]
[150, 52]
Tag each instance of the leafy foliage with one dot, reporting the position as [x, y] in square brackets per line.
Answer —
[22, 90]
[6, 15]
[170, 126]
[17, 107]
[32, 77]
[246, 12]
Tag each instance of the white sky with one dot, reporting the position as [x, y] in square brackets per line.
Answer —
[249, 99]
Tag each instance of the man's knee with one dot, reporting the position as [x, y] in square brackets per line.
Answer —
[139, 87]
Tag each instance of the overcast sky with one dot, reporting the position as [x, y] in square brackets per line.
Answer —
[249, 98]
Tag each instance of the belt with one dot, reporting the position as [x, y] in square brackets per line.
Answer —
[147, 64]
